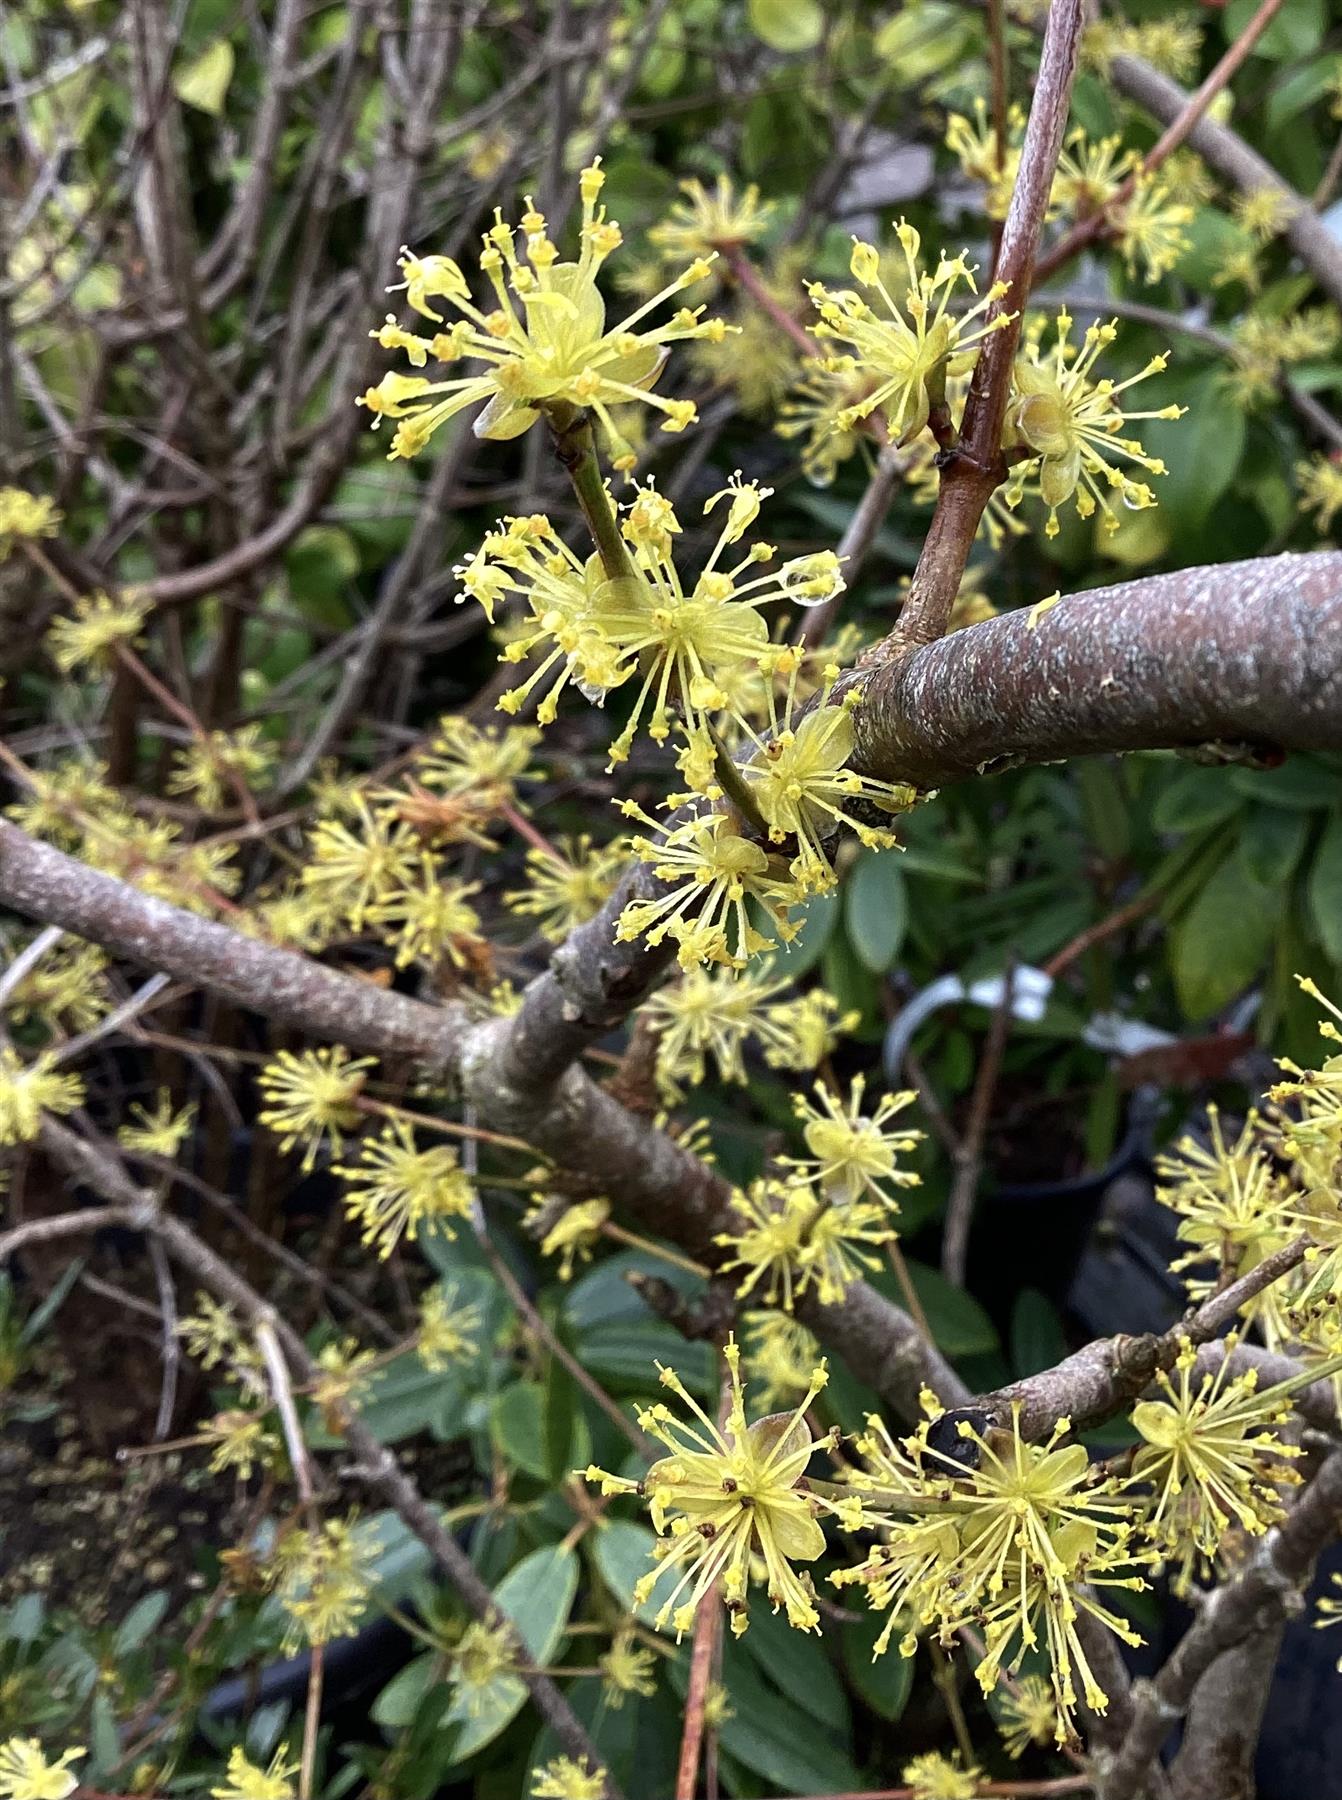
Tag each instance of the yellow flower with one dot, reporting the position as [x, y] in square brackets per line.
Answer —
[212, 767]
[485, 1652]
[1263, 212]
[25, 1773]
[780, 1354]
[792, 1239]
[546, 343]
[447, 1329]
[68, 984]
[1072, 421]
[710, 875]
[758, 364]
[310, 1097]
[1211, 1459]
[826, 391]
[159, 1131]
[1171, 44]
[246, 1782]
[1320, 481]
[721, 1499]
[1027, 1715]
[485, 763]
[801, 783]
[688, 642]
[573, 1234]
[911, 349]
[395, 1188]
[564, 1779]
[569, 887]
[320, 1579]
[1234, 1212]
[240, 1440]
[851, 1153]
[97, 626]
[24, 515]
[802, 1033]
[708, 1015]
[353, 869]
[345, 1370]
[707, 221]
[1150, 228]
[214, 1339]
[1015, 1537]
[27, 1090]
[974, 144]
[1089, 175]
[627, 1668]
[429, 918]
[936, 1777]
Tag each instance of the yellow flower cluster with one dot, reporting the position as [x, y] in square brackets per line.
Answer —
[1064, 422]
[544, 344]
[725, 1500]
[917, 340]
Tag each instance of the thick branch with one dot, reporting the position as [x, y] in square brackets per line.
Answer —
[1266, 1591]
[47, 885]
[1238, 652]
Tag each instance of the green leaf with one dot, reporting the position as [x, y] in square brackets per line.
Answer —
[763, 1733]
[1221, 943]
[817, 928]
[1106, 806]
[797, 1663]
[956, 1320]
[876, 910]
[922, 39]
[1194, 799]
[397, 1704]
[204, 82]
[1300, 781]
[1295, 32]
[884, 1682]
[622, 1550]
[537, 1596]
[787, 25]
[1037, 1337]
[139, 1622]
[321, 564]
[1202, 449]
[1324, 890]
[519, 1421]
[1271, 840]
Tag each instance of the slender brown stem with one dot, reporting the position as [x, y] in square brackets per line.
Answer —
[312, 1713]
[974, 469]
[1087, 230]
[748, 278]
[968, 1158]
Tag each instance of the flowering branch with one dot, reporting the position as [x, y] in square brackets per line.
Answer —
[975, 467]
[97, 1166]
[1087, 230]
[1267, 1589]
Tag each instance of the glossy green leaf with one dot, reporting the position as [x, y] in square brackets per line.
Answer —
[204, 82]
[876, 909]
[1324, 890]
[1221, 944]
[1038, 1340]
[787, 25]
[622, 1550]
[537, 1595]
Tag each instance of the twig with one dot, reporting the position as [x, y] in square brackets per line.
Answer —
[1267, 1589]
[1085, 231]
[748, 278]
[976, 467]
[171, 1349]
[968, 1159]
